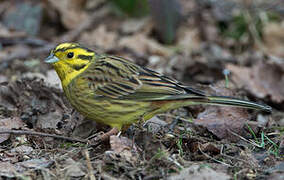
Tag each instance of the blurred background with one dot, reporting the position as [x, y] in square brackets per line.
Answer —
[193, 41]
[234, 47]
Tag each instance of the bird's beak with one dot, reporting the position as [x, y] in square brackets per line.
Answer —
[51, 59]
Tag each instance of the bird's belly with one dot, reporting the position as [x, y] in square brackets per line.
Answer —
[115, 113]
[112, 112]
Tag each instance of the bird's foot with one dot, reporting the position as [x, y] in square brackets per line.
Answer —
[96, 140]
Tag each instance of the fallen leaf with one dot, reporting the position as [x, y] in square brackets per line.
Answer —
[142, 44]
[36, 163]
[210, 148]
[188, 39]
[7, 170]
[133, 25]
[196, 172]
[39, 105]
[22, 149]
[124, 147]
[100, 37]
[247, 156]
[223, 121]
[155, 124]
[5, 33]
[7, 124]
[73, 169]
[264, 79]
[273, 35]
[276, 176]
[49, 120]
[71, 12]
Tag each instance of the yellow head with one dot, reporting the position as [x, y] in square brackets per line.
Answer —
[69, 60]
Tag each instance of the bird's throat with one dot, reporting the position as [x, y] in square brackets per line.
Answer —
[67, 73]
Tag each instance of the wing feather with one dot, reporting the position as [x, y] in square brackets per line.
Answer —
[114, 77]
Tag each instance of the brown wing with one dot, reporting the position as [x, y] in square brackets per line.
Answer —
[115, 77]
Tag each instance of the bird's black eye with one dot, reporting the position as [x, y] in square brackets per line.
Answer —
[70, 54]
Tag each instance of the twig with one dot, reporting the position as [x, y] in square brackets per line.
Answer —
[212, 157]
[20, 132]
[89, 165]
[244, 139]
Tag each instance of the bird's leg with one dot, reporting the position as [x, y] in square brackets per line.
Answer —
[113, 131]
[104, 137]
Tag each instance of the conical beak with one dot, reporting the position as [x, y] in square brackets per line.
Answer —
[51, 59]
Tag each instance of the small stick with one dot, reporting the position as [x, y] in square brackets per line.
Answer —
[89, 165]
[212, 157]
[20, 132]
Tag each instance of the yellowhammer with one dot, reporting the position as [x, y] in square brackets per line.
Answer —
[114, 91]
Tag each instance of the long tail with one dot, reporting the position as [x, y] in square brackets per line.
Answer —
[229, 101]
[189, 99]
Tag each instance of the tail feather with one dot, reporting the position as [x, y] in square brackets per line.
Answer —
[229, 101]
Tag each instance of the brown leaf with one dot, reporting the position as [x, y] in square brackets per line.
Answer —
[22, 149]
[33, 164]
[133, 25]
[196, 172]
[9, 123]
[101, 37]
[124, 147]
[273, 35]
[142, 44]
[71, 12]
[49, 120]
[73, 169]
[188, 39]
[210, 147]
[223, 120]
[264, 79]
[7, 170]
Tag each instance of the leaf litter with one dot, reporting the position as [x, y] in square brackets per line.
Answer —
[196, 142]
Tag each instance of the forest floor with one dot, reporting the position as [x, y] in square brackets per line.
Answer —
[228, 48]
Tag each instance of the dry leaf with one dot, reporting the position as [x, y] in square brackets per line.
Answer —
[7, 124]
[71, 12]
[188, 39]
[7, 170]
[73, 169]
[134, 25]
[22, 149]
[222, 121]
[142, 44]
[124, 147]
[101, 37]
[263, 80]
[273, 35]
[196, 172]
[210, 148]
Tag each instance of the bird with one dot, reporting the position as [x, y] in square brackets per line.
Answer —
[115, 91]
